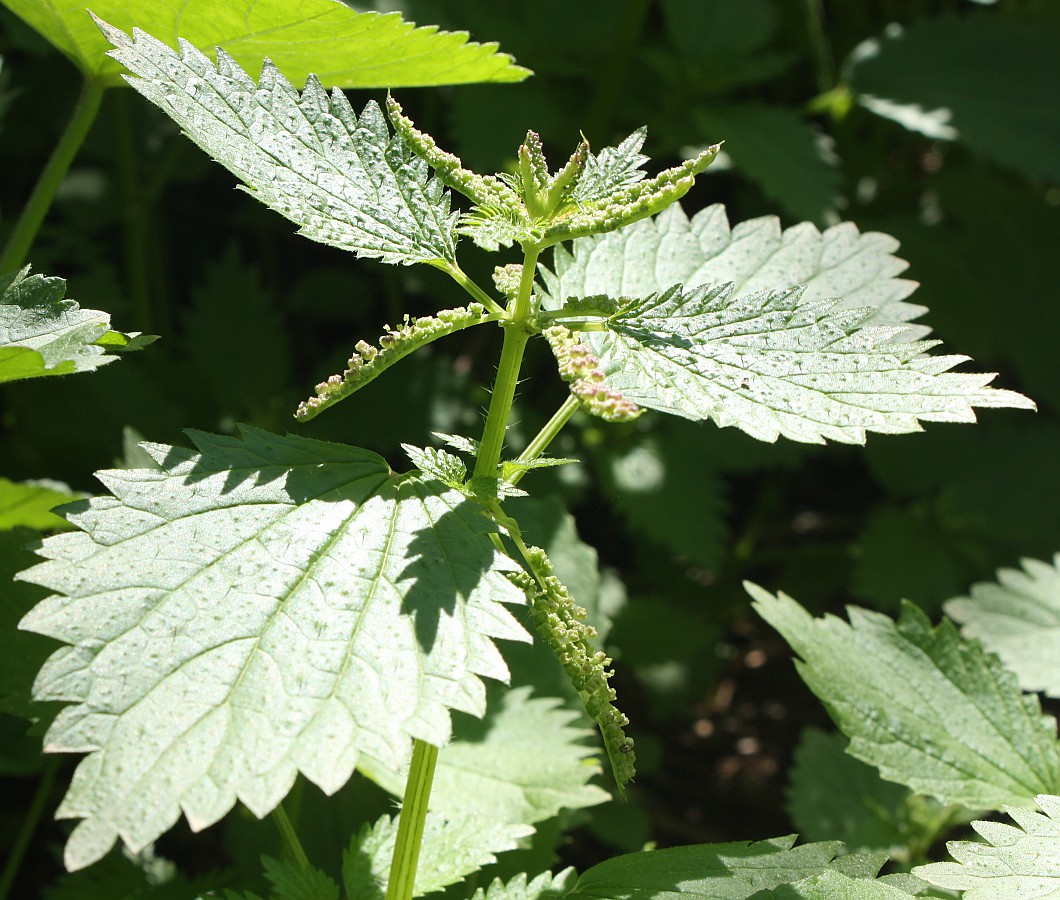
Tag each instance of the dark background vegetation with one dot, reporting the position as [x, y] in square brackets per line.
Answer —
[251, 316]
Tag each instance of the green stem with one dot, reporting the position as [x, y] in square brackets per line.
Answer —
[410, 822]
[460, 277]
[515, 337]
[290, 837]
[28, 825]
[821, 52]
[548, 433]
[40, 200]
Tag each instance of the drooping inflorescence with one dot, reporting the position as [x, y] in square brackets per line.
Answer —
[368, 361]
[560, 622]
[588, 382]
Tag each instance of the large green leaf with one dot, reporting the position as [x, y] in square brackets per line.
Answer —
[774, 364]
[833, 795]
[985, 79]
[929, 709]
[1014, 863]
[757, 255]
[1018, 618]
[259, 608]
[343, 47]
[42, 334]
[345, 181]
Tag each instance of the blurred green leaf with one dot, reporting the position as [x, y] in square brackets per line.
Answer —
[986, 79]
[1018, 618]
[29, 504]
[836, 886]
[966, 735]
[342, 47]
[790, 159]
[522, 887]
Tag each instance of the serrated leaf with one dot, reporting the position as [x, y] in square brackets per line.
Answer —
[774, 364]
[931, 78]
[523, 763]
[434, 463]
[262, 607]
[833, 795]
[966, 735]
[120, 877]
[836, 886]
[346, 181]
[521, 887]
[290, 881]
[1014, 863]
[612, 169]
[29, 504]
[42, 334]
[453, 847]
[345, 48]
[1018, 618]
[754, 256]
[707, 871]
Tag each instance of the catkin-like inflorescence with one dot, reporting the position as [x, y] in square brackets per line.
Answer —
[560, 622]
[394, 344]
[588, 382]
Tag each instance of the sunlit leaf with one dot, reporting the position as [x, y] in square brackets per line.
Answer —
[343, 47]
[259, 608]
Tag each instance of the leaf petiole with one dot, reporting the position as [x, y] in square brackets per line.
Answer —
[289, 836]
[547, 434]
[460, 277]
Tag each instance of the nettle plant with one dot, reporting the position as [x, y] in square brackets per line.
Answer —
[260, 606]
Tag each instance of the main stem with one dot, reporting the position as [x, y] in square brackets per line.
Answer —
[425, 756]
[40, 200]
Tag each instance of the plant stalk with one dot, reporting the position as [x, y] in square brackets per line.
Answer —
[290, 837]
[28, 825]
[515, 337]
[460, 277]
[410, 823]
[40, 200]
[547, 434]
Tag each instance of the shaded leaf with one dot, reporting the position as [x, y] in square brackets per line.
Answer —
[707, 871]
[521, 887]
[1018, 618]
[42, 334]
[1014, 862]
[966, 735]
[774, 364]
[345, 181]
[931, 78]
[836, 886]
[290, 881]
[345, 48]
[262, 607]
[833, 795]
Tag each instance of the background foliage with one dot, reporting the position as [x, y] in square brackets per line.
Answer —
[932, 120]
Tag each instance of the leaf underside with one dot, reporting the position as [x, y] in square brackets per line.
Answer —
[346, 181]
[345, 48]
[774, 364]
[262, 607]
[754, 256]
[966, 735]
[42, 334]
[1018, 618]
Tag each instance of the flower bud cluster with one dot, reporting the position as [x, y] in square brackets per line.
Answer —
[588, 382]
[560, 623]
[506, 279]
[394, 344]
